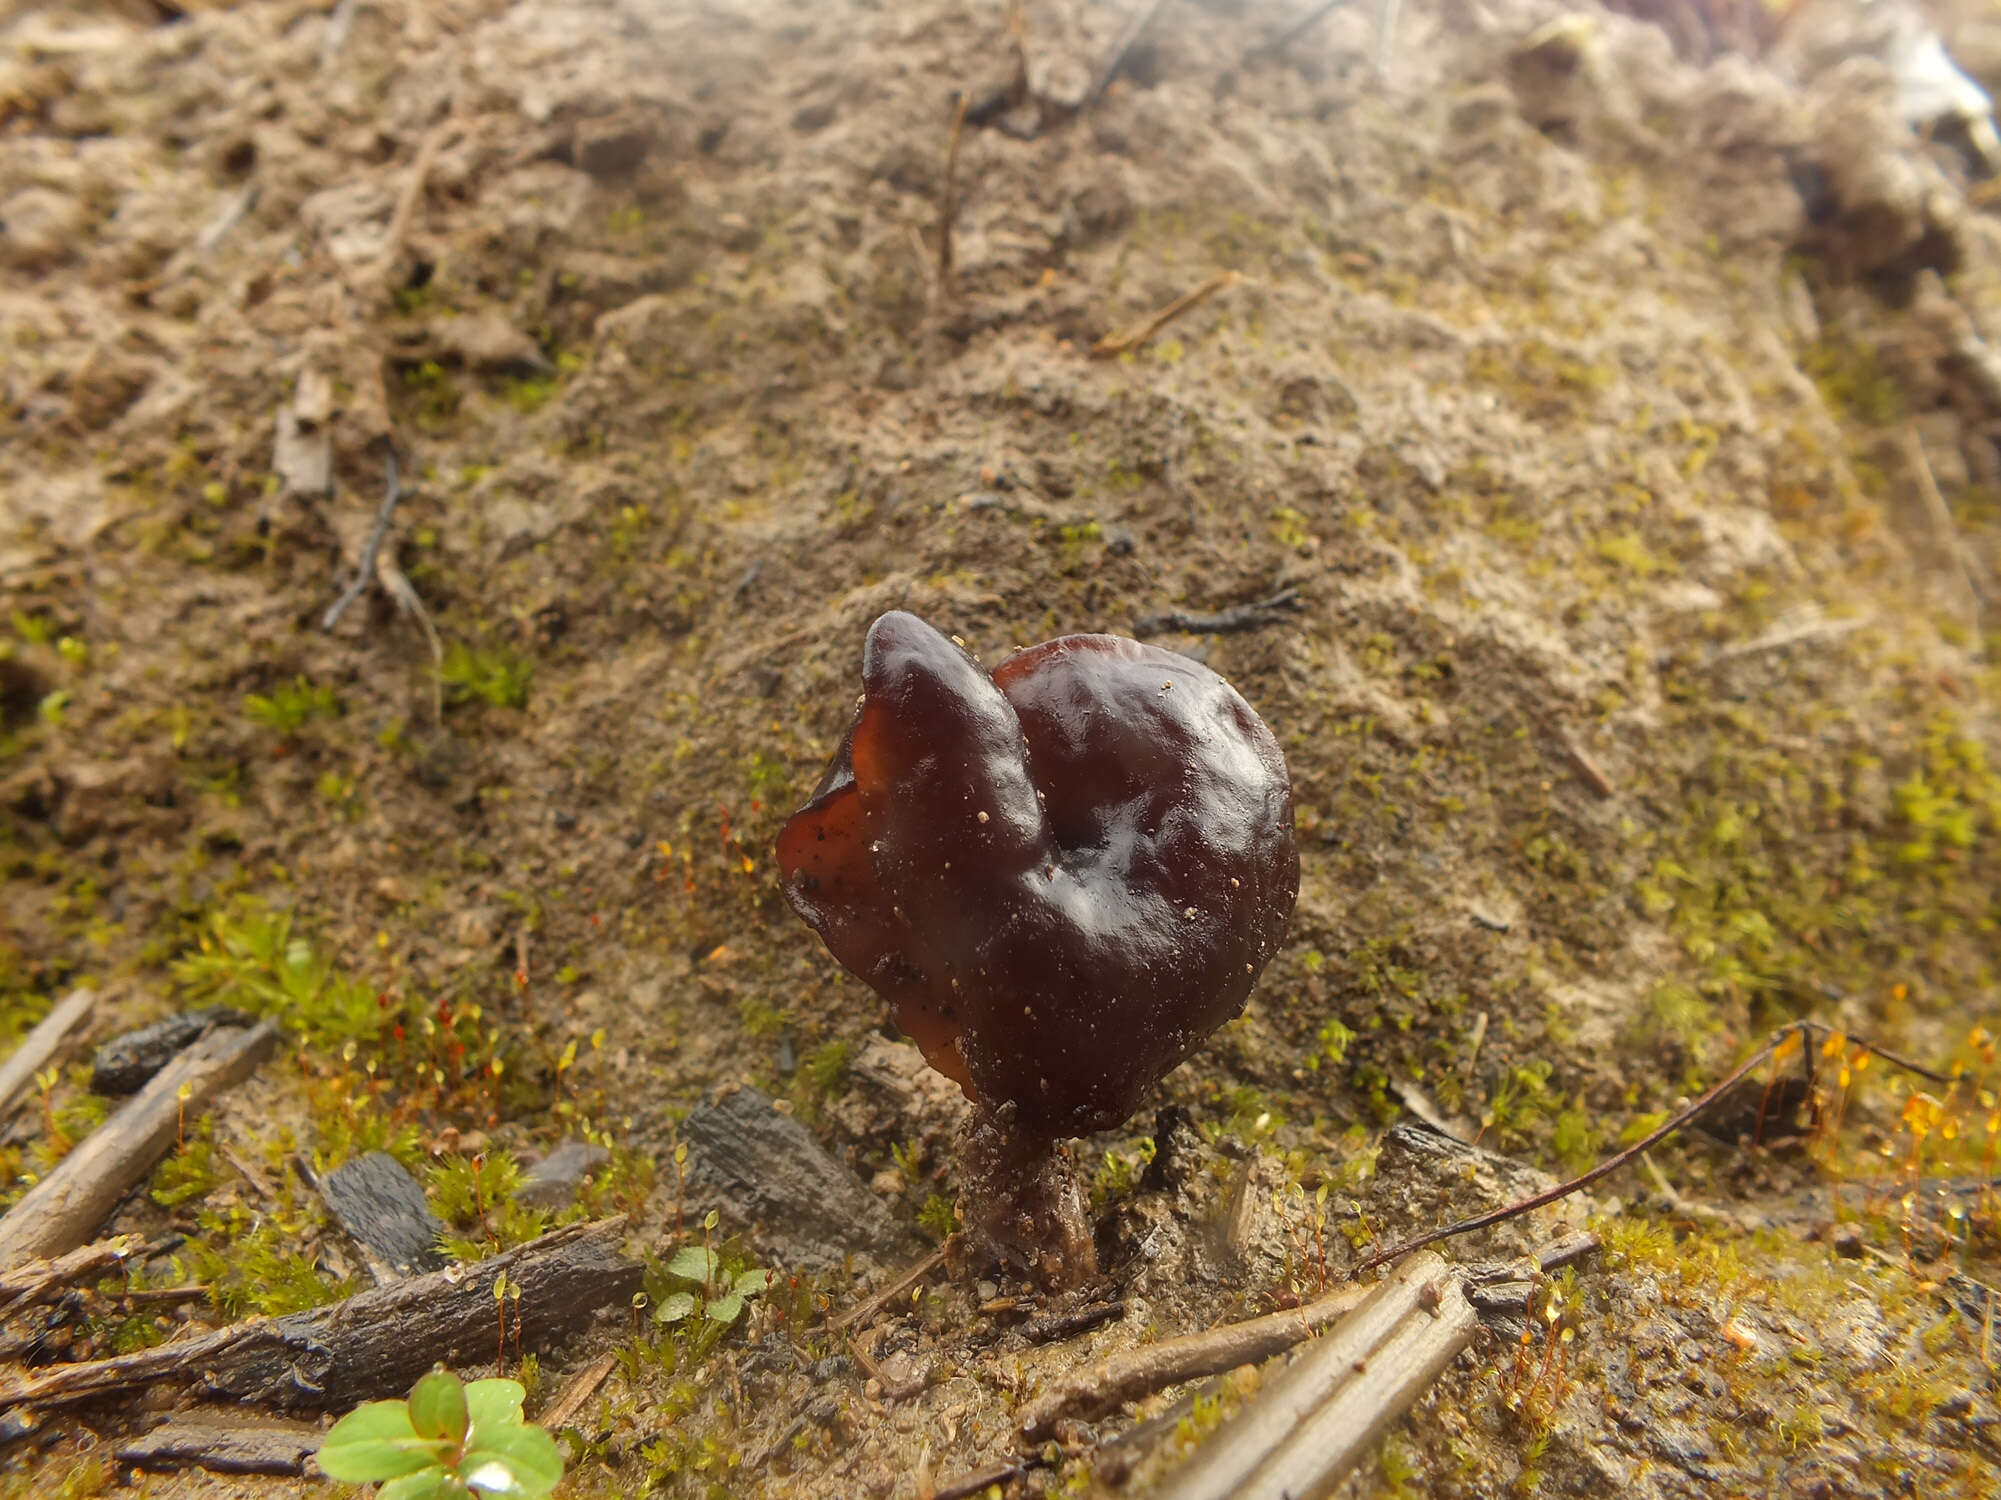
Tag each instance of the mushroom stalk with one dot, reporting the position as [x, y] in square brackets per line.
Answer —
[1025, 1207]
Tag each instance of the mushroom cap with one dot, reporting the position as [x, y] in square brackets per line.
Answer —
[1063, 876]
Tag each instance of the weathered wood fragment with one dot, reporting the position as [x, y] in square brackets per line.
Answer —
[65, 1208]
[374, 1344]
[39, 1280]
[226, 1447]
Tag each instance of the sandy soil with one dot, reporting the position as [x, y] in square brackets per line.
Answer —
[1624, 419]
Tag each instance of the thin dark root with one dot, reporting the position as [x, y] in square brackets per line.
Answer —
[1804, 1030]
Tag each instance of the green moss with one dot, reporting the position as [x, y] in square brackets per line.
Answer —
[476, 1198]
[62, 1477]
[1628, 551]
[938, 1217]
[1852, 382]
[1544, 382]
[429, 396]
[249, 956]
[291, 706]
[251, 1260]
[494, 675]
[530, 393]
[190, 1174]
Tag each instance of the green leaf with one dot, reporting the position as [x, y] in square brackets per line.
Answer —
[432, 1484]
[376, 1441]
[438, 1408]
[726, 1310]
[521, 1461]
[494, 1406]
[693, 1263]
[755, 1282]
[674, 1307]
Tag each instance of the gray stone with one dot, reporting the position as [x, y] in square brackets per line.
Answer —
[553, 1181]
[383, 1207]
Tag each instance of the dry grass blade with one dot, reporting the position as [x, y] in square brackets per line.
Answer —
[949, 206]
[1115, 344]
[862, 1312]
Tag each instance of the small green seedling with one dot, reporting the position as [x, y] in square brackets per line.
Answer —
[448, 1440]
[719, 1295]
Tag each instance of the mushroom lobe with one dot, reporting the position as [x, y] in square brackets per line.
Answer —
[1062, 877]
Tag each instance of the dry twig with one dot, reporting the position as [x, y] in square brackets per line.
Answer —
[371, 547]
[1286, 35]
[1800, 1031]
[62, 1210]
[579, 1389]
[404, 593]
[42, 1043]
[1813, 627]
[1588, 770]
[411, 197]
[1114, 344]
[1116, 57]
[339, 22]
[1133, 1373]
[985, 1479]
[1237, 617]
[373, 1344]
[1948, 547]
[39, 1281]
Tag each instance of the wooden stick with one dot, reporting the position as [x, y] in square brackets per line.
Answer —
[579, 1389]
[1948, 547]
[65, 1208]
[1588, 770]
[1113, 344]
[1313, 1424]
[373, 1344]
[979, 1483]
[1133, 1373]
[404, 593]
[162, 1296]
[19, 1070]
[1777, 639]
[1237, 617]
